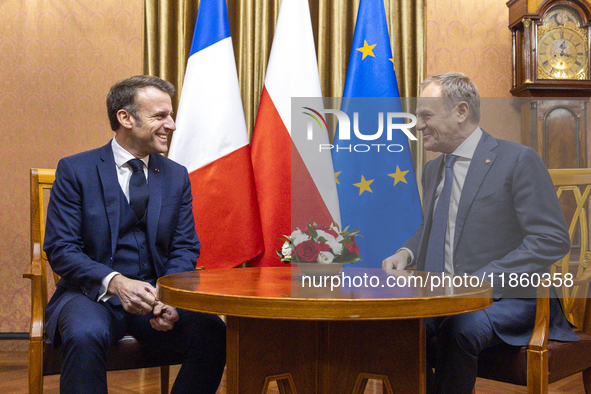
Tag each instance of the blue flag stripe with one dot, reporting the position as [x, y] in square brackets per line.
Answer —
[212, 24]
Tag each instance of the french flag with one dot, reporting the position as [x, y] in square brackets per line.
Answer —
[211, 140]
[295, 185]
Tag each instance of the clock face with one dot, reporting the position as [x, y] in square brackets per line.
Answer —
[562, 54]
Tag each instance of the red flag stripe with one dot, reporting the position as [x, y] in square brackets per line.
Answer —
[218, 188]
[271, 162]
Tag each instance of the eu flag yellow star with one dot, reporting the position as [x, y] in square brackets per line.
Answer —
[364, 185]
[366, 49]
[336, 177]
[398, 176]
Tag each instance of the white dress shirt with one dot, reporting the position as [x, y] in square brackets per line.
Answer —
[124, 172]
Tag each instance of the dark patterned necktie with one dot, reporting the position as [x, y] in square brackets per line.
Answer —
[138, 188]
[435, 259]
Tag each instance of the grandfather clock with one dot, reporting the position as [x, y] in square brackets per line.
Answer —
[551, 46]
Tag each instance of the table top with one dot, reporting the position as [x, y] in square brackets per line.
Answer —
[361, 293]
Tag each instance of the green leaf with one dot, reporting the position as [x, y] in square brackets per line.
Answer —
[312, 231]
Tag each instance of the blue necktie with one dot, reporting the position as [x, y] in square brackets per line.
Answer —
[138, 188]
[435, 259]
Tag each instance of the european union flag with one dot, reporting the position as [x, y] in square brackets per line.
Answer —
[376, 182]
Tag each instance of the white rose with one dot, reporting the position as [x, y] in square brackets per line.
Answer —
[335, 246]
[325, 258]
[331, 241]
[286, 250]
[324, 235]
[299, 237]
[295, 234]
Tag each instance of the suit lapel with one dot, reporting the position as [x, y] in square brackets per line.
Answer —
[481, 163]
[155, 174]
[111, 191]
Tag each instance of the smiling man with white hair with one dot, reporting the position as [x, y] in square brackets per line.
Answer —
[490, 208]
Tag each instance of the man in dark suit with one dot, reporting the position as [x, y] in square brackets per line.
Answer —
[503, 217]
[120, 217]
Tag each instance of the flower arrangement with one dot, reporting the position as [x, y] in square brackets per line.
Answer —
[320, 244]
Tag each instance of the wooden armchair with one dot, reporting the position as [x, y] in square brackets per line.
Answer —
[544, 361]
[44, 359]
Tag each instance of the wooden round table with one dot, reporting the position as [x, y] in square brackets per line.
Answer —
[363, 324]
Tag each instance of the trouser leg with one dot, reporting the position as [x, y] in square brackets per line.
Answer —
[86, 328]
[201, 338]
[458, 342]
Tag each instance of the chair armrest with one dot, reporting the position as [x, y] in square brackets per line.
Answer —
[35, 274]
[35, 269]
[539, 338]
[584, 278]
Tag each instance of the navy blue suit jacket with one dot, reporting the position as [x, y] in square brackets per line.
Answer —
[83, 224]
[509, 221]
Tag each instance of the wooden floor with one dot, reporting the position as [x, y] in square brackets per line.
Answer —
[13, 380]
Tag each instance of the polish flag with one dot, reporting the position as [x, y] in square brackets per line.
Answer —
[295, 183]
[212, 142]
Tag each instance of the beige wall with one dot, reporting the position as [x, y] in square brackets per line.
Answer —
[59, 59]
[472, 37]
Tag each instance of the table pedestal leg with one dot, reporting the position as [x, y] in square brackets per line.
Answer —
[325, 357]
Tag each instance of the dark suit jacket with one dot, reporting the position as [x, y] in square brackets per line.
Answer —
[509, 221]
[83, 223]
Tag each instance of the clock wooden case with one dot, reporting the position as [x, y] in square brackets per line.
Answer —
[550, 48]
[551, 70]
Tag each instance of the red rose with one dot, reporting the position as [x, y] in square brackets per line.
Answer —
[352, 246]
[308, 250]
[323, 246]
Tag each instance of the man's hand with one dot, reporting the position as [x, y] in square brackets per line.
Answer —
[165, 317]
[136, 297]
[397, 261]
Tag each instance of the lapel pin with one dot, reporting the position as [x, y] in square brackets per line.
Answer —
[487, 161]
[156, 169]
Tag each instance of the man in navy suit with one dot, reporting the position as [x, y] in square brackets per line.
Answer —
[503, 217]
[111, 233]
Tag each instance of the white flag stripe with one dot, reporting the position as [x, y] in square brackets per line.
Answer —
[293, 72]
[295, 57]
[212, 103]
